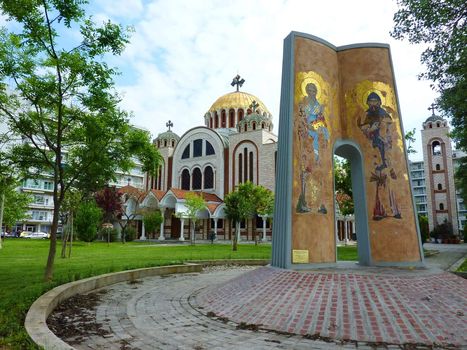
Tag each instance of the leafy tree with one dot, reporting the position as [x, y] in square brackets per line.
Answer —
[15, 205]
[194, 203]
[410, 138]
[343, 183]
[57, 95]
[88, 218]
[110, 201]
[152, 220]
[244, 203]
[424, 227]
[442, 25]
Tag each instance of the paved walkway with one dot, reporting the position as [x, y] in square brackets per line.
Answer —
[325, 309]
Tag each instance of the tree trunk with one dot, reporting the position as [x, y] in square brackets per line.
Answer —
[234, 245]
[49, 268]
[2, 205]
[64, 240]
[72, 231]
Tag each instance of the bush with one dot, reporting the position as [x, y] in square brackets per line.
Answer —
[443, 231]
[87, 220]
[424, 229]
[130, 233]
[108, 232]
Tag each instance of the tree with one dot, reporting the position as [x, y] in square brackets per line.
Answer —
[442, 25]
[194, 203]
[88, 218]
[15, 206]
[152, 221]
[110, 201]
[244, 203]
[343, 185]
[60, 100]
[410, 138]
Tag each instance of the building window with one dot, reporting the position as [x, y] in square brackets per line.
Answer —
[216, 120]
[231, 118]
[186, 152]
[251, 166]
[210, 122]
[438, 167]
[173, 143]
[240, 165]
[208, 178]
[245, 128]
[437, 124]
[245, 164]
[440, 187]
[240, 115]
[441, 206]
[165, 143]
[430, 125]
[197, 148]
[196, 179]
[48, 185]
[223, 124]
[185, 180]
[209, 149]
[436, 147]
[254, 126]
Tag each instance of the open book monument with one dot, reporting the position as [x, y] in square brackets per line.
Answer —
[341, 101]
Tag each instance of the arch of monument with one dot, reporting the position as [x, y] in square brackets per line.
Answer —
[341, 100]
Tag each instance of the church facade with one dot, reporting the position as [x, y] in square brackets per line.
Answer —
[234, 144]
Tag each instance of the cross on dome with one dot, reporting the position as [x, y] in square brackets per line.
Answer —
[169, 124]
[254, 105]
[432, 108]
[237, 81]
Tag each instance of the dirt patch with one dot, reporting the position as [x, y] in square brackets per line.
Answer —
[74, 319]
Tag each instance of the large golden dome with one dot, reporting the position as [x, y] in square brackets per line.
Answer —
[237, 99]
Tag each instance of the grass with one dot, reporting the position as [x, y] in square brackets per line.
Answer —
[463, 267]
[22, 265]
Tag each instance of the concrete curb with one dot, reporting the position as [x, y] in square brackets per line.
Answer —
[234, 262]
[36, 318]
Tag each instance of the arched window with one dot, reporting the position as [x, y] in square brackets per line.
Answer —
[209, 148]
[245, 128]
[254, 126]
[240, 115]
[437, 124]
[196, 179]
[240, 168]
[245, 164]
[216, 120]
[440, 187]
[437, 167]
[186, 152]
[158, 144]
[210, 122]
[173, 143]
[441, 206]
[249, 111]
[159, 179]
[208, 178]
[251, 167]
[231, 118]
[165, 143]
[430, 125]
[197, 148]
[275, 160]
[262, 125]
[185, 180]
[436, 148]
[223, 123]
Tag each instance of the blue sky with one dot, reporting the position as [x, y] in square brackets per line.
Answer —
[184, 53]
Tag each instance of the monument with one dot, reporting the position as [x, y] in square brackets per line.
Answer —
[343, 101]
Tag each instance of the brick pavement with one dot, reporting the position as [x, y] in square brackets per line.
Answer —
[398, 307]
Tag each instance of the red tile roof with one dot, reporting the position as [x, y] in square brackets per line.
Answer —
[212, 207]
[208, 197]
[159, 194]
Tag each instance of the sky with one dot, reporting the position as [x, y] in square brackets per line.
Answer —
[183, 54]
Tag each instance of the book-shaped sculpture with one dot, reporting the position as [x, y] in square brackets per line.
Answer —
[341, 101]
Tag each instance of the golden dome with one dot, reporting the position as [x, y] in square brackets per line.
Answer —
[237, 99]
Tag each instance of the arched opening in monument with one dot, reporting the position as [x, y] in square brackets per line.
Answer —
[344, 218]
[350, 151]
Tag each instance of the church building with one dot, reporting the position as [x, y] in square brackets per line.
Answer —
[234, 144]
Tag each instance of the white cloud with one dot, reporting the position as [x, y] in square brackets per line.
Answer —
[184, 54]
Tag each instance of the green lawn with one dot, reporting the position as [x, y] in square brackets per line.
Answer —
[463, 267]
[22, 266]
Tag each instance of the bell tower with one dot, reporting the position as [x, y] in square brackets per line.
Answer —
[437, 157]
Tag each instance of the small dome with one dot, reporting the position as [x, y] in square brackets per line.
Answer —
[434, 118]
[237, 99]
[260, 121]
[166, 139]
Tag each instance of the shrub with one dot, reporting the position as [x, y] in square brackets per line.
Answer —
[424, 229]
[442, 231]
[130, 233]
[87, 220]
[108, 232]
